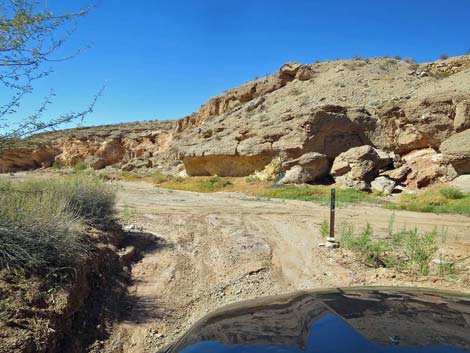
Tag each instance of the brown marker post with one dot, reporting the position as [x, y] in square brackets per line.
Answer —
[332, 215]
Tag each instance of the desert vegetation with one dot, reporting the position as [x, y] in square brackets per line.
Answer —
[438, 199]
[42, 225]
[407, 250]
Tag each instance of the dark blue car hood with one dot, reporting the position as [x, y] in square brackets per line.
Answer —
[348, 320]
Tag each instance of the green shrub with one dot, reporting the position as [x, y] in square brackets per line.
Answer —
[445, 268]
[406, 250]
[79, 167]
[219, 182]
[372, 251]
[419, 249]
[58, 165]
[325, 228]
[158, 177]
[346, 236]
[451, 193]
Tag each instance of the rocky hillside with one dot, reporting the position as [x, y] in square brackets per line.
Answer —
[352, 120]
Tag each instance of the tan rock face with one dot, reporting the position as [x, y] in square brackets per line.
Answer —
[325, 130]
[456, 151]
[392, 111]
[226, 165]
[28, 158]
[98, 147]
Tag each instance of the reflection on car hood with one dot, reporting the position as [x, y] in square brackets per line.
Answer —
[358, 320]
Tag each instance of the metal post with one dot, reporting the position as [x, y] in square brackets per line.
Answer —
[332, 215]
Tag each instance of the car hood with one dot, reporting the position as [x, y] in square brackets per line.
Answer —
[365, 319]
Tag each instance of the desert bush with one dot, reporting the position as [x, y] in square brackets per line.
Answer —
[419, 249]
[58, 165]
[41, 223]
[406, 250]
[325, 228]
[158, 177]
[371, 251]
[79, 167]
[410, 60]
[439, 75]
[451, 193]
[446, 268]
[346, 232]
[219, 182]
[38, 233]
[91, 199]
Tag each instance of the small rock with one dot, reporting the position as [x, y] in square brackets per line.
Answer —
[442, 262]
[383, 184]
[132, 228]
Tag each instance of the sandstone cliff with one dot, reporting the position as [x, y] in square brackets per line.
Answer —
[329, 108]
[395, 106]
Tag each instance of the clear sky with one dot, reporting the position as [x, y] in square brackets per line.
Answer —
[163, 59]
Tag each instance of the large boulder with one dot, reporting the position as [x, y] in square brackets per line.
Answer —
[398, 174]
[289, 70]
[95, 162]
[462, 183]
[307, 168]
[111, 151]
[462, 116]
[358, 166]
[456, 151]
[423, 167]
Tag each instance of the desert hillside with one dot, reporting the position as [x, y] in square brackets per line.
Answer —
[351, 120]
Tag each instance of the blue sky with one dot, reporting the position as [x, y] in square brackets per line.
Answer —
[163, 59]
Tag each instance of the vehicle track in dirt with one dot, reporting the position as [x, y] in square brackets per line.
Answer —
[219, 248]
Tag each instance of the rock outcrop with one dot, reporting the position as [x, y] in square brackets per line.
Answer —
[423, 167]
[98, 147]
[393, 111]
[325, 108]
[307, 168]
[24, 158]
[456, 151]
[358, 166]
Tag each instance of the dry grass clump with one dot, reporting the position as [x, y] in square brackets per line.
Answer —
[41, 224]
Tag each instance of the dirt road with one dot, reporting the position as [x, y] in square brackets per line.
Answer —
[219, 248]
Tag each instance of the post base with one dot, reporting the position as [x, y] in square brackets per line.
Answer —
[329, 245]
